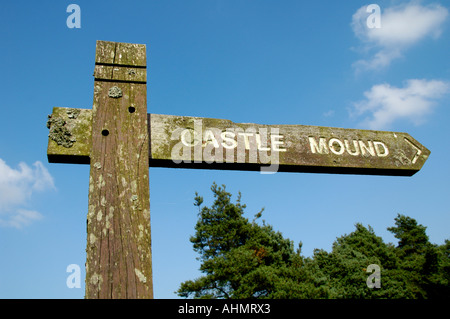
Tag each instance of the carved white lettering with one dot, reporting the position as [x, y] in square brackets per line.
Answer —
[188, 138]
[228, 140]
[367, 149]
[321, 148]
[246, 141]
[210, 138]
[352, 147]
[380, 153]
[276, 142]
[258, 143]
[355, 145]
[339, 150]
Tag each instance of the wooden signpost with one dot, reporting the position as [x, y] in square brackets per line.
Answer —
[120, 141]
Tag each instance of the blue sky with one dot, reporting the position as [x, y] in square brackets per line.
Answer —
[267, 62]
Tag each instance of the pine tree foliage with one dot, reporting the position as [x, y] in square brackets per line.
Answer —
[243, 259]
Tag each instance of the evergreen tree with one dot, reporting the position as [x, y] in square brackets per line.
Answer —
[424, 266]
[243, 259]
[345, 267]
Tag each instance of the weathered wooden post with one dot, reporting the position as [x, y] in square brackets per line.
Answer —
[118, 249]
[120, 141]
[114, 139]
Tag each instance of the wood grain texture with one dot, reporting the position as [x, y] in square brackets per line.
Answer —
[118, 263]
[120, 73]
[80, 127]
[312, 149]
[287, 148]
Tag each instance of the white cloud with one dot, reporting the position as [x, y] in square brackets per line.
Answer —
[16, 189]
[386, 103]
[401, 27]
[20, 218]
[328, 113]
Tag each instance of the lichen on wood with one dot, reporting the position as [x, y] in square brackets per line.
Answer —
[73, 113]
[69, 135]
[115, 92]
[117, 187]
[59, 132]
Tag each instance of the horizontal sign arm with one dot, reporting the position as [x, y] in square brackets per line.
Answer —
[206, 143]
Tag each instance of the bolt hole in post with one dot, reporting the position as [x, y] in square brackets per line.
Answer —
[105, 132]
[131, 109]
